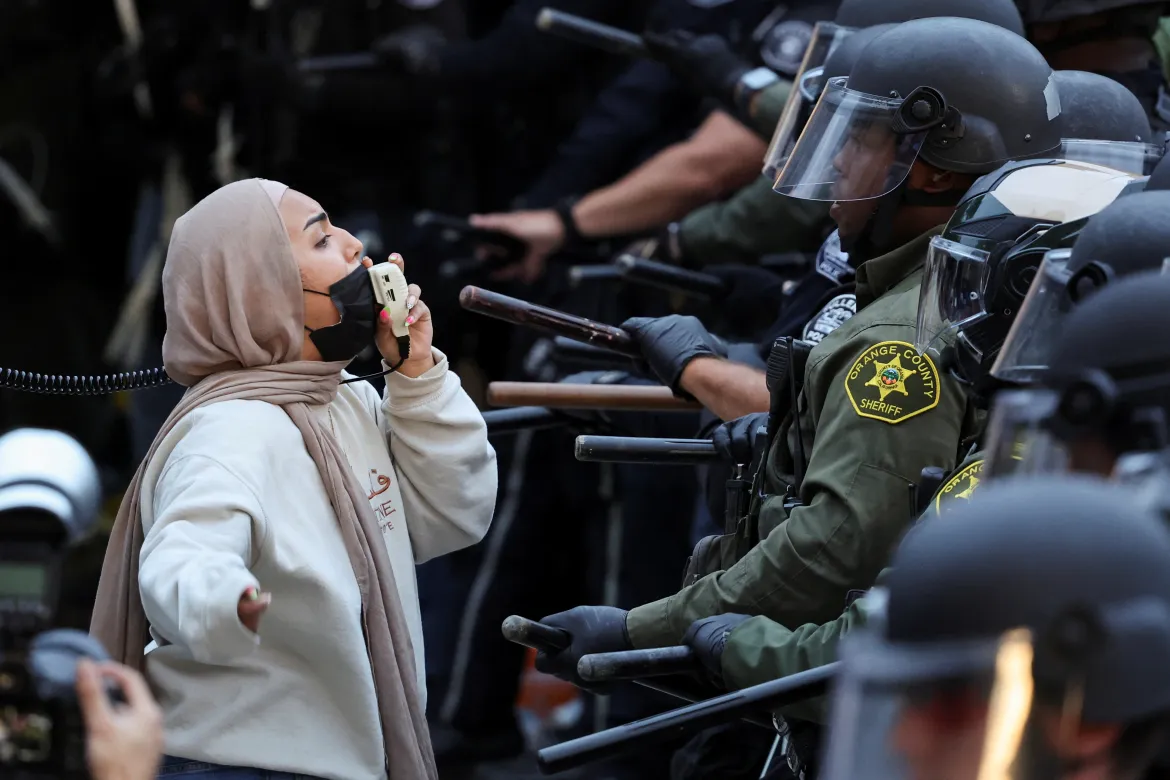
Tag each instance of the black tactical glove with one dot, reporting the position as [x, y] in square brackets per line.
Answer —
[669, 343]
[741, 439]
[705, 62]
[707, 637]
[415, 49]
[594, 630]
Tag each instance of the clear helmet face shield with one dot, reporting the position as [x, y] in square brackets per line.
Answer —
[1018, 441]
[849, 150]
[806, 88]
[1028, 348]
[1131, 157]
[953, 293]
[946, 711]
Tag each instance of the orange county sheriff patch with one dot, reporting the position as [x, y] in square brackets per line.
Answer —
[960, 486]
[891, 382]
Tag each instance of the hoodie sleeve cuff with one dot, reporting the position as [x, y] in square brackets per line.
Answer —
[404, 391]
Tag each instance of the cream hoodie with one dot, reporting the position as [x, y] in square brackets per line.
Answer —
[231, 500]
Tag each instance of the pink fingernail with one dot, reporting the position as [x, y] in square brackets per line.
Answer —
[384, 316]
[410, 320]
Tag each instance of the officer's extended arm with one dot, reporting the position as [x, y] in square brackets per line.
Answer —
[728, 389]
[857, 504]
[719, 158]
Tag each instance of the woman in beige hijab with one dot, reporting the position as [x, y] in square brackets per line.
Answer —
[263, 557]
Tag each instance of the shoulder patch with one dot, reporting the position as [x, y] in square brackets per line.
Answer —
[891, 382]
[832, 262]
[832, 316]
[961, 486]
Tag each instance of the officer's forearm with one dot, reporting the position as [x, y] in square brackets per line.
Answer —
[728, 389]
[719, 158]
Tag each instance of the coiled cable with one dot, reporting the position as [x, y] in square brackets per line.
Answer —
[57, 384]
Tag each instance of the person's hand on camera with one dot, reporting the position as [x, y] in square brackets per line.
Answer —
[123, 741]
[418, 320]
[705, 62]
[251, 607]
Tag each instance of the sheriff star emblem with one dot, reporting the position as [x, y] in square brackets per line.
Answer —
[961, 486]
[892, 382]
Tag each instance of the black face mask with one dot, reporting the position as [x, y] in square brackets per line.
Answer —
[353, 296]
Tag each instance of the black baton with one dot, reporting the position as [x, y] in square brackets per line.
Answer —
[632, 664]
[601, 36]
[669, 277]
[521, 418]
[634, 449]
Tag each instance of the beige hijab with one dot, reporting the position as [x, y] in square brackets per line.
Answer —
[235, 315]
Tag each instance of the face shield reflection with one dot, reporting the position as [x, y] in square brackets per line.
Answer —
[952, 293]
[944, 711]
[1027, 349]
[806, 88]
[1131, 157]
[1017, 441]
[849, 151]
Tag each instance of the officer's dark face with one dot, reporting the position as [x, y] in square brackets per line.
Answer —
[862, 165]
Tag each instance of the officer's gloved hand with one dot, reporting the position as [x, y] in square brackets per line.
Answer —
[707, 637]
[669, 343]
[594, 630]
[705, 62]
[742, 440]
[414, 49]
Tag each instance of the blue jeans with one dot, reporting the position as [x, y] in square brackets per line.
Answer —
[186, 767]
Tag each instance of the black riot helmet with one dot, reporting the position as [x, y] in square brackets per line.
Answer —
[1105, 123]
[1130, 235]
[828, 55]
[980, 268]
[866, 13]
[961, 95]
[1159, 177]
[1008, 633]
[1106, 393]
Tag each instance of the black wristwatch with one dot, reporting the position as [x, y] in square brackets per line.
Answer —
[564, 210]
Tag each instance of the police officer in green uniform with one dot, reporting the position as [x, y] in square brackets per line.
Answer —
[1023, 636]
[973, 291]
[754, 222]
[894, 150]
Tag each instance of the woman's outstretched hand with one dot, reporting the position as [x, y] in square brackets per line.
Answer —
[252, 605]
[418, 319]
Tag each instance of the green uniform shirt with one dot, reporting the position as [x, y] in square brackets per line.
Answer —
[873, 413]
[756, 220]
[760, 650]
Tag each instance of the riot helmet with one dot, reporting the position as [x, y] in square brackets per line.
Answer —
[854, 15]
[1021, 636]
[963, 96]
[979, 269]
[1159, 177]
[1106, 392]
[1104, 123]
[1128, 236]
[867, 13]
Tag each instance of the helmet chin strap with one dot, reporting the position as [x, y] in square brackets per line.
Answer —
[877, 236]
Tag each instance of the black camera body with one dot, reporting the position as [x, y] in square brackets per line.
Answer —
[48, 501]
